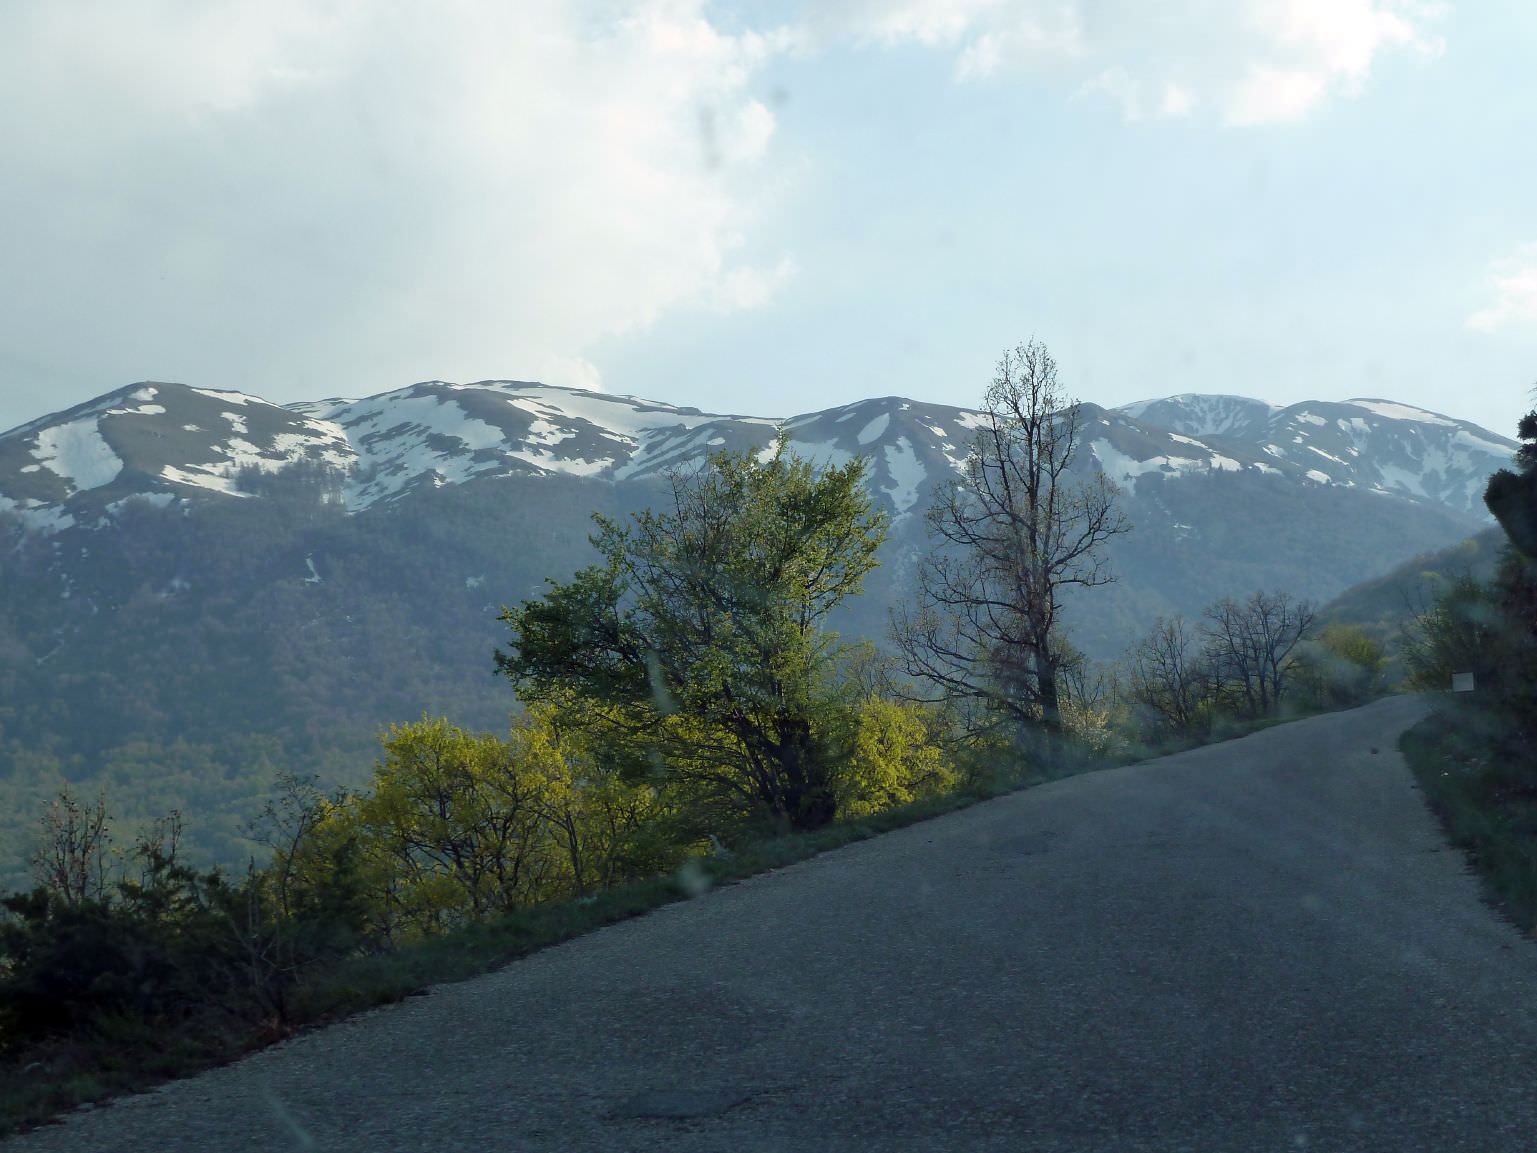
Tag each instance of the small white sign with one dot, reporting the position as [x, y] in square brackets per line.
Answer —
[1462, 682]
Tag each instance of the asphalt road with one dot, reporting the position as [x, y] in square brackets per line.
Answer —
[1259, 945]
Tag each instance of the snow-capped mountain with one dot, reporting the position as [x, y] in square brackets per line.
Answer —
[1378, 445]
[166, 443]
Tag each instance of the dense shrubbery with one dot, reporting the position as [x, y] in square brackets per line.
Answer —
[1478, 759]
[139, 942]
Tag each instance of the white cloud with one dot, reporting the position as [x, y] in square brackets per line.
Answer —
[569, 371]
[1177, 101]
[1269, 95]
[460, 189]
[749, 286]
[1253, 62]
[1513, 281]
[1119, 86]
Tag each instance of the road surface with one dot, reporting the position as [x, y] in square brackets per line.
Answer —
[1258, 945]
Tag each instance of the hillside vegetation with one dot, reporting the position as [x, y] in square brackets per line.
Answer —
[185, 659]
[1388, 607]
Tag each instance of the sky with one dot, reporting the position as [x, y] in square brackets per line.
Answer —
[771, 208]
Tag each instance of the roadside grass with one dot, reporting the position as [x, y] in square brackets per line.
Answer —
[126, 1056]
[1488, 810]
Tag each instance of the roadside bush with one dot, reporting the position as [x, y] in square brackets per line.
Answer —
[893, 761]
[1341, 668]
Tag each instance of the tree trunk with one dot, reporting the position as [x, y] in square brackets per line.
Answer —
[1046, 690]
[808, 801]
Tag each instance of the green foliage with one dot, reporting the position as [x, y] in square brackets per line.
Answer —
[189, 660]
[460, 826]
[1462, 632]
[894, 759]
[1488, 811]
[1477, 760]
[452, 828]
[699, 641]
[607, 829]
[1340, 668]
[1388, 607]
[1091, 728]
[1512, 496]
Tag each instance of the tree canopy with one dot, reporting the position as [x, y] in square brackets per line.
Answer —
[699, 640]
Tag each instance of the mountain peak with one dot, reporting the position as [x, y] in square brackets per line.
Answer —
[1203, 414]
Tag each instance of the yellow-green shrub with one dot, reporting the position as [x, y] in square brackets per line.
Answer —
[894, 759]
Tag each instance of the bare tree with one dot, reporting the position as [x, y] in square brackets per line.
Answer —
[1169, 675]
[1249, 647]
[1013, 533]
[72, 859]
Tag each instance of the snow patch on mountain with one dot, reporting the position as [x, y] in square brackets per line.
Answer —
[213, 477]
[907, 475]
[37, 515]
[822, 454]
[143, 499]
[874, 430]
[77, 453]
[1475, 443]
[1121, 467]
[230, 396]
[1202, 414]
[1394, 411]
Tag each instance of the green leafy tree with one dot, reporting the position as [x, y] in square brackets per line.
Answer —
[452, 830]
[605, 828]
[1512, 496]
[1460, 633]
[700, 639]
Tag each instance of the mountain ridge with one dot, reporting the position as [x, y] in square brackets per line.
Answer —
[173, 442]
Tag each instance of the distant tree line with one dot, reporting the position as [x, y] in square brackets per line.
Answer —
[1244, 660]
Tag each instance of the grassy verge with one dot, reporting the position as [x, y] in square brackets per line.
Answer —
[125, 1057]
[1488, 810]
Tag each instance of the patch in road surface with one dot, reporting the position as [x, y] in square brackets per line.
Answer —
[679, 1104]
